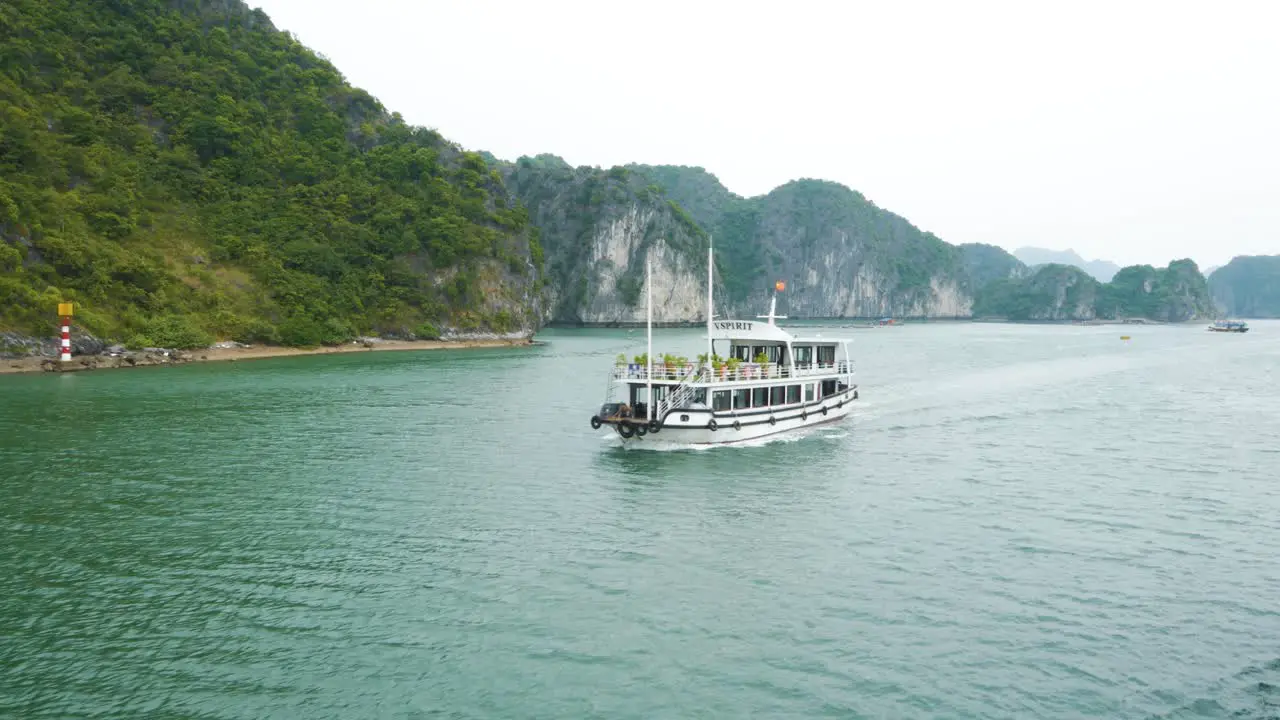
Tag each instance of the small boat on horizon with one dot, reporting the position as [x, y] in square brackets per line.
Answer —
[1235, 326]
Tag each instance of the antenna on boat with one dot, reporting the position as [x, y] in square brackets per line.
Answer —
[711, 348]
[773, 304]
[648, 283]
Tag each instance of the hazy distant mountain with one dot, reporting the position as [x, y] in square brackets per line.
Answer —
[1248, 286]
[1101, 270]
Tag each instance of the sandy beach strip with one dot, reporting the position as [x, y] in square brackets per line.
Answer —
[257, 352]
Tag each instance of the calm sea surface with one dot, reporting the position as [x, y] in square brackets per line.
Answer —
[1017, 522]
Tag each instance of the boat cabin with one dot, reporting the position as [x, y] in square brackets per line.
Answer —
[766, 381]
[762, 366]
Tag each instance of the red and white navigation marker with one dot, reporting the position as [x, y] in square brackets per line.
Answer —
[64, 309]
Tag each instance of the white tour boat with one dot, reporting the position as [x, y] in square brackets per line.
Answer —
[769, 381]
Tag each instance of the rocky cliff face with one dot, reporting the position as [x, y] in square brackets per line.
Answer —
[619, 251]
[839, 254]
[598, 228]
[1248, 286]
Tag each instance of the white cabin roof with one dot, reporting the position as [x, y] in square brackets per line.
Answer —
[743, 332]
[748, 330]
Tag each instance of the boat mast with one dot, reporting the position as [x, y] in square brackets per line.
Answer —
[648, 283]
[773, 306]
[711, 348]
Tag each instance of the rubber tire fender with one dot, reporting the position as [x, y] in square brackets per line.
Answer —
[737, 424]
[642, 430]
[824, 409]
[654, 425]
[773, 420]
[595, 422]
[626, 430]
[713, 425]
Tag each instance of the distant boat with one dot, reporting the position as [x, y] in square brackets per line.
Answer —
[1235, 326]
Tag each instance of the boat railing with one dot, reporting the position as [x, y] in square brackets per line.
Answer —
[744, 372]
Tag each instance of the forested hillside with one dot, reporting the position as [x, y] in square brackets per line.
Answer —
[182, 170]
[1177, 293]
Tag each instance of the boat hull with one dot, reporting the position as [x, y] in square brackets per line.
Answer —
[749, 427]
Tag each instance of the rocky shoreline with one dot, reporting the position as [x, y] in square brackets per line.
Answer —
[19, 354]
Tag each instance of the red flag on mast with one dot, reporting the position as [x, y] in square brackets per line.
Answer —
[780, 286]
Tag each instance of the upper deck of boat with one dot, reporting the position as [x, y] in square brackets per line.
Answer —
[745, 338]
[701, 373]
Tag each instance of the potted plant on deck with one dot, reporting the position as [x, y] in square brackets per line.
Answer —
[763, 361]
[731, 368]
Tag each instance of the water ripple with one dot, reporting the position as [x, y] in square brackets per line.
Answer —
[1015, 522]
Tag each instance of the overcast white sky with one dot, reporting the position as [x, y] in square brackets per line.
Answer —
[1129, 131]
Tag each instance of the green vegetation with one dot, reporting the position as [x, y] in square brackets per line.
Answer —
[573, 208]
[1248, 286]
[186, 174]
[779, 235]
[987, 263]
[1061, 292]
[1054, 292]
[1174, 294]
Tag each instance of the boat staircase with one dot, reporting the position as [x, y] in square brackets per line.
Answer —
[681, 394]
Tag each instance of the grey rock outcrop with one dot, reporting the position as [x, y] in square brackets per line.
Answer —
[598, 229]
[16, 345]
[838, 253]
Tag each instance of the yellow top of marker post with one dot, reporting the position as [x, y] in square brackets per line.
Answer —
[64, 309]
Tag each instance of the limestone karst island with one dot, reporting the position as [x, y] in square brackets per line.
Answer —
[186, 174]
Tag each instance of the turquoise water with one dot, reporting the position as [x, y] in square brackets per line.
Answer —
[1018, 521]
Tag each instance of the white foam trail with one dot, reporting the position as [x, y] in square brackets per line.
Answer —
[786, 437]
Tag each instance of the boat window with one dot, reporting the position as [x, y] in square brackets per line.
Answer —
[775, 353]
[741, 399]
[760, 397]
[720, 400]
[828, 388]
[808, 392]
[793, 394]
[803, 355]
[826, 354]
[742, 352]
[778, 395]
[700, 396]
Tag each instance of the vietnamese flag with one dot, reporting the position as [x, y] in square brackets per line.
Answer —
[780, 286]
